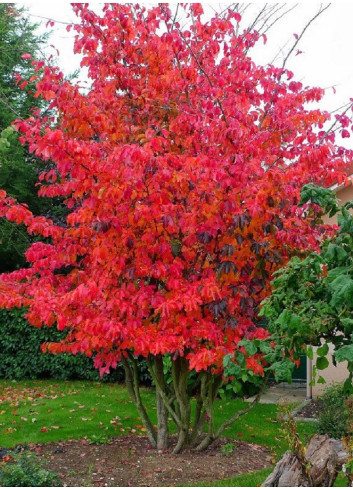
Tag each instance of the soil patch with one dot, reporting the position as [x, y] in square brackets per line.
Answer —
[310, 410]
[130, 461]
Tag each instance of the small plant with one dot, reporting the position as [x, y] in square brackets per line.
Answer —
[290, 431]
[348, 441]
[26, 471]
[98, 439]
[227, 449]
[333, 416]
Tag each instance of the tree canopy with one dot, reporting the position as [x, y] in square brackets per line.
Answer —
[181, 167]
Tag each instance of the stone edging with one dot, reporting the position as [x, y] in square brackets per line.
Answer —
[299, 418]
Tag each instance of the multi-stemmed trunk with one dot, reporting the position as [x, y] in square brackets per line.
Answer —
[195, 428]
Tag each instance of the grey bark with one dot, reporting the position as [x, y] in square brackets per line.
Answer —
[162, 413]
[180, 374]
[132, 384]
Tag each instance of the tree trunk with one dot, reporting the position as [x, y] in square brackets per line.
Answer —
[323, 460]
[180, 374]
[162, 413]
[177, 404]
[132, 384]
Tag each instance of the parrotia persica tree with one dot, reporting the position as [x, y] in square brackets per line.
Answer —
[182, 166]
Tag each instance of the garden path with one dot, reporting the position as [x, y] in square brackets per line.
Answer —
[284, 393]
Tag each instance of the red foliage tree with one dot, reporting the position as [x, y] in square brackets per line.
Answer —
[181, 167]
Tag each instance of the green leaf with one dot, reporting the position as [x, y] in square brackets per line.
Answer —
[348, 387]
[237, 387]
[345, 221]
[267, 310]
[321, 380]
[240, 358]
[335, 253]
[227, 360]
[265, 347]
[283, 370]
[233, 370]
[348, 325]
[322, 351]
[290, 321]
[342, 288]
[310, 352]
[250, 347]
[324, 197]
[344, 353]
[322, 363]
[335, 272]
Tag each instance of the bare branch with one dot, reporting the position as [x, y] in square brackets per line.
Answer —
[321, 10]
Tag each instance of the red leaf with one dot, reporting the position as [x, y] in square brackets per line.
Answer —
[345, 134]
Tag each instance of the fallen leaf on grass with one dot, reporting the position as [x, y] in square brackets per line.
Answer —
[55, 427]
[23, 418]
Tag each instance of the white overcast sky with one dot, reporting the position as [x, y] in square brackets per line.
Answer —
[327, 45]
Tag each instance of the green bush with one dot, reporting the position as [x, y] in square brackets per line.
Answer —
[21, 357]
[26, 471]
[333, 415]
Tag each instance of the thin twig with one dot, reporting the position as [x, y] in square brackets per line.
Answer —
[321, 10]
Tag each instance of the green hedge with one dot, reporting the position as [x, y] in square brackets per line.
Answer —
[21, 357]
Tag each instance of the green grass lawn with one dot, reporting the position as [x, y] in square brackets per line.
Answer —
[52, 411]
[45, 411]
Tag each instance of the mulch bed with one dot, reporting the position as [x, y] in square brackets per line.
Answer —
[129, 461]
[310, 410]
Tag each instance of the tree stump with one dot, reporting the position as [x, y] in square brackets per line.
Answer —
[324, 458]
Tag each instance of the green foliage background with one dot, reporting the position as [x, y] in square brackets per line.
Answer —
[21, 357]
[18, 169]
[312, 299]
